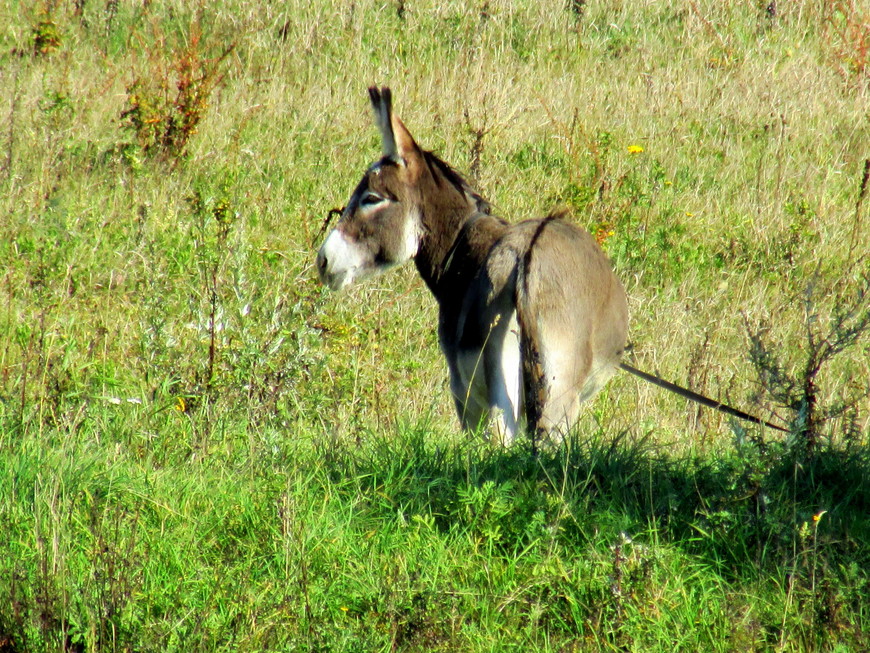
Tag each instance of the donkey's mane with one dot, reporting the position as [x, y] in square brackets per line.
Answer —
[457, 180]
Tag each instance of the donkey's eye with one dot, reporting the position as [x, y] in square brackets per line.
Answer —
[370, 199]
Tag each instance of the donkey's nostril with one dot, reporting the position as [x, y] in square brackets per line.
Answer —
[320, 263]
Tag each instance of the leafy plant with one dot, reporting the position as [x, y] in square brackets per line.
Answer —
[166, 104]
[849, 22]
[797, 386]
[45, 35]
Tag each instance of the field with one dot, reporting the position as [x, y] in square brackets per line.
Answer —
[201, 449]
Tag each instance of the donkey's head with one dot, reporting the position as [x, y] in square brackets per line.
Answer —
[381, 225]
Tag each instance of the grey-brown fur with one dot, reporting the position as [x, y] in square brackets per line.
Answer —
[532, 320]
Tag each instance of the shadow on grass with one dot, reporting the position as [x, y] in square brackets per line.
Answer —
[750, 510]
[769, 545]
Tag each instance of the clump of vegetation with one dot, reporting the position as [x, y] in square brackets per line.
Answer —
[45, 35]
[796, 385]
[166, 104]
[848, 23]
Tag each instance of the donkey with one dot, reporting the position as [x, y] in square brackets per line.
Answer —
[532, 319]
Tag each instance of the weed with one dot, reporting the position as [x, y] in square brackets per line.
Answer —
[849, 22]
[577, 9]
[163, 121]
[45, 35]
[800, 391]
[10, 137]
[110, 13]
[475, 136]
[862, 194]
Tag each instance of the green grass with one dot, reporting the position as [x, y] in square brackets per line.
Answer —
[201, 449]
[402, 541]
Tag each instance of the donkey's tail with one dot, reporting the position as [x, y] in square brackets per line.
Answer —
[700, 399]
[535, 389]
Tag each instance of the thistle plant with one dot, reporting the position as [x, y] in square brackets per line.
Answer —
[795, 385]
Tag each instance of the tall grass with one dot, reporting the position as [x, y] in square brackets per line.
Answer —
[200, 449]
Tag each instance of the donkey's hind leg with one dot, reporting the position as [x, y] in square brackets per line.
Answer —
[504, 380]
[567, 365]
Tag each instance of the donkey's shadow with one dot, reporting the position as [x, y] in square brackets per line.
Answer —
[744, 506]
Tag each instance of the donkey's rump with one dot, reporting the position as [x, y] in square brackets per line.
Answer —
[542, 328]
[573, 316]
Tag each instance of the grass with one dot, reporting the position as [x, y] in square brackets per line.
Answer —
[402, 543]
[201, 449]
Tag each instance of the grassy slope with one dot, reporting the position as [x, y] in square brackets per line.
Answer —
[300, 484]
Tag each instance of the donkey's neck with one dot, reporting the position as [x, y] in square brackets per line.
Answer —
[450, 255]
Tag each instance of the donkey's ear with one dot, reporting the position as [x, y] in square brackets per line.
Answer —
[382, 104]
[408, 149]
[397, 140]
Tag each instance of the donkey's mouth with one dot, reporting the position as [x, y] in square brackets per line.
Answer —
[337, 281]
[331, 278]
[341, 261]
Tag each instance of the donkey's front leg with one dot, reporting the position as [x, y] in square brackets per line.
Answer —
[467, 385]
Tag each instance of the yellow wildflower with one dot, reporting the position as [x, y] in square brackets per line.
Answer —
[635, 149]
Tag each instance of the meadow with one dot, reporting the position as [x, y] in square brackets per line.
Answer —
[201, 449]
